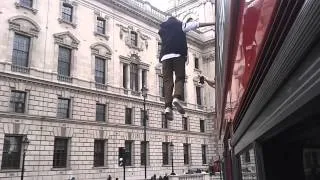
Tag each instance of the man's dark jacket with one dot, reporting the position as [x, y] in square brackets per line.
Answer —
[173, 39]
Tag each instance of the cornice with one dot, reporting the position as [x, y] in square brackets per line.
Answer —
[71, 87]
[99, 124]
[125, 7]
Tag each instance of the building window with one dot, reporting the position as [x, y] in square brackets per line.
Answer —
[26, 3]
[134, 77]
[63, 108]
[128, 115]
[128, 146]
[144, 152]
[185, 123]
[134, 38]
[101, 112]
[100, 70]
[202, 126]
[21, 47]
[247, 156]
[144, 78]
[99, 149]
[125, 66]
[143, 113]
[67, 11]
[196, 63]
[17, 101]
[161, 87]
[204, 154]
[198, 93]
[159, 49]
[186, 154]
[60, 154]
[11, 152]
[101, 25]
[165, 153]
[64, 61]
[164, 121]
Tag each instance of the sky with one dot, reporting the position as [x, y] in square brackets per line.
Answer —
[160, 4]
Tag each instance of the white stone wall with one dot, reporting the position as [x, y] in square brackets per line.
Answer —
[39, 122]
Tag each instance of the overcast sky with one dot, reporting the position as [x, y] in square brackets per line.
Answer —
[160, 4]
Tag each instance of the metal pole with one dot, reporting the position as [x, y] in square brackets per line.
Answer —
[145, 137]
[124, 168]
[171, 150]
[22, 170]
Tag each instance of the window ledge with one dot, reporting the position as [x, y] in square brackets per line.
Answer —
[74, 25]
[101, 86]
[63, 78]
[9, 170]
[135, 93]
[19, 5]
[101, 167]
[20, 69]
[101, 35]
[61, 169]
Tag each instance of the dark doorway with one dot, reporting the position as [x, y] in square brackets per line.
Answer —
[294, 153]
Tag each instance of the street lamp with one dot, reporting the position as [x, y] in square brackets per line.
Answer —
[171, 150]
[144, 91]
[25, 144]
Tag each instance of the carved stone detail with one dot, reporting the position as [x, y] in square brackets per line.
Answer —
[66, 39]
[24, 25]
[100, 49]
[125, 33]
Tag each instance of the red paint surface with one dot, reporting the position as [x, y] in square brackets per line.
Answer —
[255, 18]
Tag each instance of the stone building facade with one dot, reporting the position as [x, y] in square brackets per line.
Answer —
[71, 73]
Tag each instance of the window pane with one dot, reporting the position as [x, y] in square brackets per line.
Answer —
[26, 3]
[99, 152]
[63, 108]
[100, 70]
[100, 112]
[134, 77]
[67, 12]
[134, 38]
[202, 128]
[17, 102]
[124, 76]
[144, 78]
[20, 54]
[128, 117]
[164, 120]
[60, 153]
[64, 60]
[128, 146]
[198, 91]
[185, 123]
[196, 63]
[161, 87]
[11, 152]
[165, 153]
[204, 152]
[101, 23]
[186, 153]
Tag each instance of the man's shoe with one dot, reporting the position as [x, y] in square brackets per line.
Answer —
[168, 113]
[176, 102]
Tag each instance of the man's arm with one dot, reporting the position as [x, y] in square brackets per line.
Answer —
[206, 24]
[192, 25]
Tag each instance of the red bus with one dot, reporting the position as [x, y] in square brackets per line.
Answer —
[268, 88]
